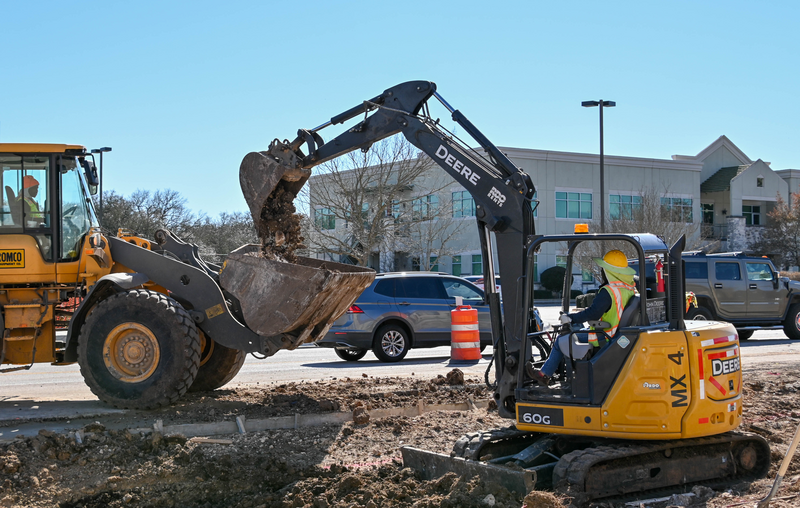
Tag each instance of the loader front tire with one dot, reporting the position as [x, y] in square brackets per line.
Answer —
[139, 349]
[218, 365]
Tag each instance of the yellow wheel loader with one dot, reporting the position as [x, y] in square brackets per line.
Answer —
[155, 320]
[653, 410]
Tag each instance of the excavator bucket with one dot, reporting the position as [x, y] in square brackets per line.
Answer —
[287, 299]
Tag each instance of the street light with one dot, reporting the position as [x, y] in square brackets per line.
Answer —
[101, 151]
[602, 104]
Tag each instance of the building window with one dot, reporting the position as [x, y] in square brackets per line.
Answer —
[623, 207]
[536, 268]
[457, 266]
[752, 215]
[393, 210]
[587, 276]
[573, 205]
[536, 205]
[477, 264]
[463, 204]
[414, 264]
[760, 181]
[677, 209]
[561, 261]
[324, 218]
[708, 213]
[425, 208]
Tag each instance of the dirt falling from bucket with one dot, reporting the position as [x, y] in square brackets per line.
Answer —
[279, 229]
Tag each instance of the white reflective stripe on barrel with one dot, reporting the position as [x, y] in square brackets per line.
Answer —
[465, 328]
[459, 345]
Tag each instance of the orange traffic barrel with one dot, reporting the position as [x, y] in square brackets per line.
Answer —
[465, 338]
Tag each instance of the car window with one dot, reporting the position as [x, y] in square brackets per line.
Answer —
[695, 270]
[419, 287]
[728, 271]
[759, 271]
[385, 287]
[455, 288]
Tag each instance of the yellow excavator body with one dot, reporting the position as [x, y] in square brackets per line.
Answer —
[675, 385]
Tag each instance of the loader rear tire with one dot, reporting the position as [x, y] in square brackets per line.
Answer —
[218, 365]
[139, 349]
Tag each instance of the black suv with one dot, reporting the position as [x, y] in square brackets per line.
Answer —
[400, 311]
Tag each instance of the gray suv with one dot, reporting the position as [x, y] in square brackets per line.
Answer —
[743, 290]
[400, 311]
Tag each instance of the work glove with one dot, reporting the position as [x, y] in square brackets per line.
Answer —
[565, 319]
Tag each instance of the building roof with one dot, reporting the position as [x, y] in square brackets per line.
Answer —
[719, 142]
[721, 180]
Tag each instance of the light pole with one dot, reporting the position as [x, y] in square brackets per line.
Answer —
[101, 151]
[602, 104]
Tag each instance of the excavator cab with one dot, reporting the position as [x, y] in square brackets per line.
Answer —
[587, 373]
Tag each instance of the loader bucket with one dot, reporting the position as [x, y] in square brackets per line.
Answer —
[293, 303]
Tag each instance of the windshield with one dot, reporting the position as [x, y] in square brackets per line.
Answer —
[77, 212]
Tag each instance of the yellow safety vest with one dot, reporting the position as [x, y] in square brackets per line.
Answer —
[33, 208]
[621, 294]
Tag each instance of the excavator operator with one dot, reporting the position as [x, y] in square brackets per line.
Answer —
[617, 289]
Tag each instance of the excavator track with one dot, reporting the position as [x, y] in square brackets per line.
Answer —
[622, 471]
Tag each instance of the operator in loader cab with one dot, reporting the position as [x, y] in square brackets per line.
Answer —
[30, 186]
[617, 289]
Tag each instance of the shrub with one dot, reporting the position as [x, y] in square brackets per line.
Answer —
[791, 275]
[553, 278]
[542, 294]
[575, 293]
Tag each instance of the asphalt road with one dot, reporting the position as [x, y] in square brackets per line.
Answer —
[47, 391]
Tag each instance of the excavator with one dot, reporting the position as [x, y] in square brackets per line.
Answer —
[653, 411]
[155, 319]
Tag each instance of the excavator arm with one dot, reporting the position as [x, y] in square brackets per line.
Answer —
[502, 194]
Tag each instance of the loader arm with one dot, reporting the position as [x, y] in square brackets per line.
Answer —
[502, 194]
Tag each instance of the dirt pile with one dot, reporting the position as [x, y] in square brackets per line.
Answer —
[345, 465]
[279, 228]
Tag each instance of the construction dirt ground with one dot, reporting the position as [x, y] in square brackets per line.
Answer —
[352, 463]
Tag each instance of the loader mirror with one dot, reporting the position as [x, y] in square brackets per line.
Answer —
[90, 170]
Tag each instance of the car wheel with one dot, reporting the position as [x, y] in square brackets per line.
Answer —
[791, 326]
[350, 355]
[699, 314]
[391, 343]
[745, 334]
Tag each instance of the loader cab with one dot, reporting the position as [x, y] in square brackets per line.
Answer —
[45, 204]
[589, 380]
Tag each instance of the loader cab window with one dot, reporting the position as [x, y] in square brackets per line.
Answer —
[77, 213]
[26, 203]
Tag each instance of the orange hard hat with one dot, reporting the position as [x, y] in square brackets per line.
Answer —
[29, 182]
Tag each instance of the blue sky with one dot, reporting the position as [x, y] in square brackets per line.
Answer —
[183, 90]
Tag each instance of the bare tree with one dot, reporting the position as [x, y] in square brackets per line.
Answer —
[365, 201]
[145, 212]
[431, 238]
[667, 218]
[216, 238]
[781, 235]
